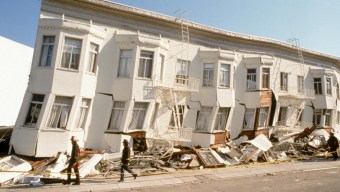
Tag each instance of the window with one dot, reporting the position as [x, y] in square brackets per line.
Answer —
[124, 67]
[282, 116]
[60, 112]
[299, 117]
[145, 64]
[328, 86]
[251, 78]
[203, 119]
[338, 117]
[225, 75]
[222, 118]
[177, 114]
[263, 117]
[328, 117]
[208, 75]
[116, 115]
[249, 117]
[34, 109]
[71, 54]
[138, 116]
[317, 116]
[337, 91]
[284, 81]
[301, 84]
[91, 62]
[83, 111]
[317, 86]
[46, 51]
[265, 78]
[182, 71]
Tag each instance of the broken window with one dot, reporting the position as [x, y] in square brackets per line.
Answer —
[92, 57]
[284, 81]
[328, 86]
[225, 75]
[263, 117]
[178, 115]
[124, 66]
[46, 51]
[317, 116]
[203, 119]
[145, 64]
[265, 78]
[282, 116]
[221, 119]
[83, 111]
[60, 112]
[251, 78]
[249, 117]
[182, 71]
[317, 86]
[138, 115]
[71, 54]
[328, 117]
[116, 115]
[34, 109]
[301, 84]
[208, 75]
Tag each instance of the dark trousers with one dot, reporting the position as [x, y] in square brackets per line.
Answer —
[74, 165]
[125, 167]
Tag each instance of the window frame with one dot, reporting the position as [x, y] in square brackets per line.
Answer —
[208, 74]
[53, 122]
[263, 122]
[92, 58]
[137, 123]
[300, 84]
[265, 78]
[283, 81]
[225, 75]
[222, 118]
[202, 122]
[251, 79]
[328, 86]
[34, 104]
[74, 58]
[145, 66]
[117, 113]
[83, 112]
[249, 114]
[125, 63]
[46, 53]
[317, 85]
[282, 118]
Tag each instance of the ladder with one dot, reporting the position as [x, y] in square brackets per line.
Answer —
[296, 45]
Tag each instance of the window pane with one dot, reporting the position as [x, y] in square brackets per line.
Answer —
[60, 112]
[203, 119]
[251, 78]
[222, 118]
[208, 75]
[225, 75]
[46, 51]
[138, 116]
[34, 109]
[116, 115]
[83, 111]
[124, 63]
[145, 64]
[71, 53]
[91, 63]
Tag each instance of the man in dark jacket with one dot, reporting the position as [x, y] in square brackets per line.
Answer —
[73, 163]
[333, 144]
[125, 161]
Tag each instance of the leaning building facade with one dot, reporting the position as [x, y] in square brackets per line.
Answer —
[105, 72]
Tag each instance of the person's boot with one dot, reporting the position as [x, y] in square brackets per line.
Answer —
[68, 181]
[134, 176]
[77, 182]
[121, 177]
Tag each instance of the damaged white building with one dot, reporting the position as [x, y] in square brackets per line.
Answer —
[105, 72]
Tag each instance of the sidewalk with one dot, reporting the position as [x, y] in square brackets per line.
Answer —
[184, 176]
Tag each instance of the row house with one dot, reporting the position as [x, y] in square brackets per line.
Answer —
[105, 72]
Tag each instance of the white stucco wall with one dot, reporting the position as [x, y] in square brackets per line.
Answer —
[15, 67]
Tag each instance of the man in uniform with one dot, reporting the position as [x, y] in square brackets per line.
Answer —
[333, 144]
[73, 163]
[125, 160]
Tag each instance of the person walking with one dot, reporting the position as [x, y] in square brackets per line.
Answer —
[125, 160]
[73, 162]
[333, 144]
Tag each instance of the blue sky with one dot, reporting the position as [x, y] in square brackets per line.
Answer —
[316, 23]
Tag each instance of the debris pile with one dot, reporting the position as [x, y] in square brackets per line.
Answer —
[161, 156]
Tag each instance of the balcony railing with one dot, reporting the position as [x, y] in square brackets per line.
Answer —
[179, 83]
[175, 134]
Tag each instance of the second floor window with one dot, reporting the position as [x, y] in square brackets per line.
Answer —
[83, 111]
[71, 54]
[34, 109]
[116, 115]
[203, 119]
[182, 71]
[91, 62]
[328, 86]
[300, 84]
[225, 75]
[251, 78]
[208, 75]
[317, 86]
[60, 112]
[46, 51]
[265, 78]
[124, 66]
[283, 81]
[145, 64]
[138, 115]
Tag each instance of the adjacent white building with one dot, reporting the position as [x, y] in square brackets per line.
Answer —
[104, 72]
[16, 60]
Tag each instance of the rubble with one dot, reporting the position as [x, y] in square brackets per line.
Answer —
[161, 156]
